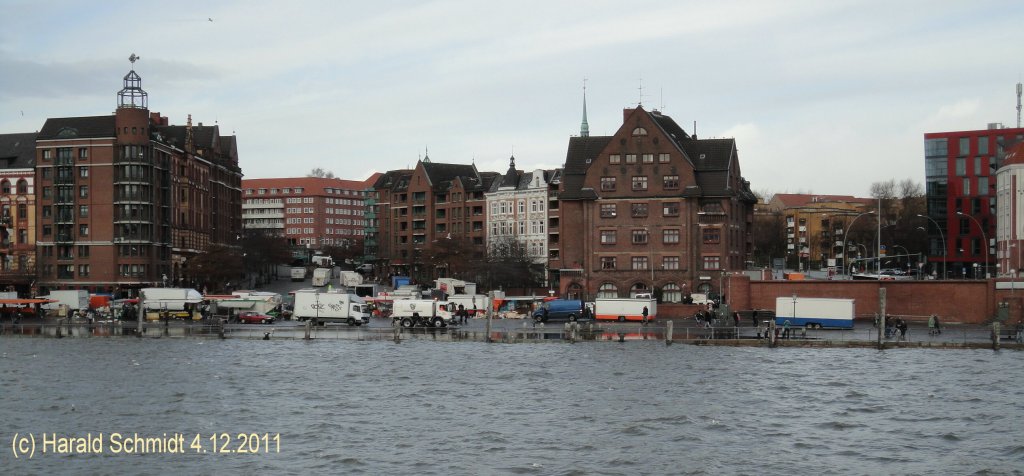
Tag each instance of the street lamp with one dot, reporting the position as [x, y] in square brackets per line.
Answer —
[943, 238]
[846, 234]
[984, 236]
[906, 253]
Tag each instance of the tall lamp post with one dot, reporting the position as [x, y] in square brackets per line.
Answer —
[984, 236]
[943, 238]
[846, 234]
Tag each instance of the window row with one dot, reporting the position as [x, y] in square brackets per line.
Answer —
[669, 236]
[640, 263]
[670, 292]
[639, 209]
[644, 158]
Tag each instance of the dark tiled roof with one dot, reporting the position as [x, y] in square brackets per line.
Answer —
[511, 178]
[581, 154]
[439, 174]
[18, 151]
[78, 127]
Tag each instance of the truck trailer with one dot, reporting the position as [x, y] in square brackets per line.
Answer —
[322, 308]
[621, 309]
[814, 313]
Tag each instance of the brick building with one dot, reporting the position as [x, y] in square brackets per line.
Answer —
[125, 200]
[17, 211]
[313, 211]
[434, 201]
[650, 209]
[960, 170]
[814, 227]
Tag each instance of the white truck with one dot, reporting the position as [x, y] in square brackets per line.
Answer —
[322, 308]
[350, 279]
[422, 312]
[622, 309]
[74, 299]
[813, 313]
[298, 273]
[321, 277]
[179, 302]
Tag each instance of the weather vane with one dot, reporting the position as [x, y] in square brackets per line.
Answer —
[133, 58]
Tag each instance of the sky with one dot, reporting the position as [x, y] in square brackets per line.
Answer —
[821, 97]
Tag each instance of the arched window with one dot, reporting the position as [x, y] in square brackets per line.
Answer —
[608, 290]
[704, 288]
[671, 293]
[5, 186]
[574, 291]
[639, 131]
[637, 289]
[22, 186]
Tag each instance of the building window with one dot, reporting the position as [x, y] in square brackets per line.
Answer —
[977, 166]
[47, 211]
[630, 158]
[608, 290]
[712, 235]
[663, 158]
[83, 270]
[967, 185]
[83, 153]
[639, 131]
[22, 211]
[961, 167]
[639, 263]
[83, 211]
[607, 184]
[47, 154]
[83, 172]
[670, 236]
[83, 230]
[47, 192]
[47, 230]
[711, 263]
[965, 146]
[5, 186]
[670, 209]
[607, 262]
[671, 293]
[83, 251]
[639, 237]
[640, 182]
[983, 146]
[639, 210]
[614, 159]
[608, 237]
[648, 158]
[83, 191]
[982, 185]
[608, 210]
[22, 187]
[670, 182]
[670, 262]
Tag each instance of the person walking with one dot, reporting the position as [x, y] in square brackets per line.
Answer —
[644, 312]
[901, 325]
[938, 325]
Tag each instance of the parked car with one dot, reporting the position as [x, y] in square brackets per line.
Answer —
[250, 317]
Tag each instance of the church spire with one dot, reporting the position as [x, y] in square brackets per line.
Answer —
[584, 127]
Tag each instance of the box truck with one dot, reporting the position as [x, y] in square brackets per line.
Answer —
[622, 309]
[74, 299]
[422, 312]
[298, 273]
[178, 302]
[814, 312]
[322, 308]
[321, 277]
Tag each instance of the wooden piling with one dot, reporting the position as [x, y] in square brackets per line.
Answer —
[668, 333]
[309, 327]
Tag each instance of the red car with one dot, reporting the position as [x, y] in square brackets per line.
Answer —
[250, 317]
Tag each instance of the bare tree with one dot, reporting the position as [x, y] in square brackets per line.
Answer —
[320, 173]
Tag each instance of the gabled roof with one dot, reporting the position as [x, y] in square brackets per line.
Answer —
[581, 154]
[89, 127]
[438, 174]
[391, 178]
[18, 151]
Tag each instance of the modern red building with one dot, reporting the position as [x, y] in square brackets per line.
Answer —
[960, 170]
[313, 211]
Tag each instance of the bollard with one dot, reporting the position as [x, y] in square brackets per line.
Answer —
[397, 330]
[220, 329]
[622, 337]
[309, 327]
[995, 335]
[668, 333]
[59, 331]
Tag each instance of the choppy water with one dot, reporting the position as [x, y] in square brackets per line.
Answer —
[424, 407]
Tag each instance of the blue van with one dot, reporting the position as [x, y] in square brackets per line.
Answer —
[561, 310]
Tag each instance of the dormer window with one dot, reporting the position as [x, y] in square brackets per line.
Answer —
[639, 131]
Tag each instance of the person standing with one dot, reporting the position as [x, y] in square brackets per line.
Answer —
[644, 312]
[785, 329]
[753, 317]
[901, 325]
[931, 325]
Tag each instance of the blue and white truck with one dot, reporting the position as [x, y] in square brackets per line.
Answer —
[814, 313]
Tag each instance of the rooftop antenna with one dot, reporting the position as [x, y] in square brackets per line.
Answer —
[1019, 90]
[661, 92]
[641, 88]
